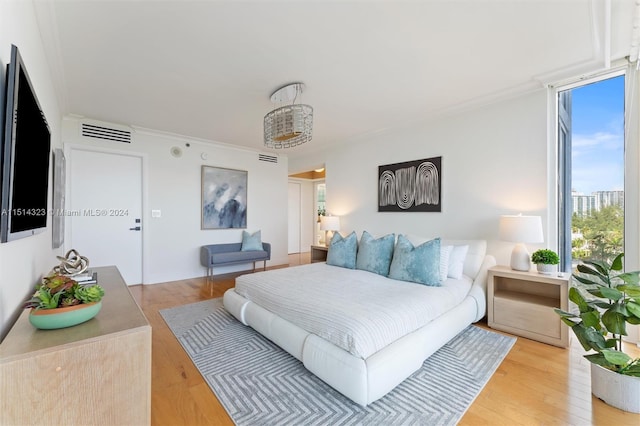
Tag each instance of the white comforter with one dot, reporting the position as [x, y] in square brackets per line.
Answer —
[359, 311]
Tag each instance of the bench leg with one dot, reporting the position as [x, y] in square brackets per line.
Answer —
[264, 265]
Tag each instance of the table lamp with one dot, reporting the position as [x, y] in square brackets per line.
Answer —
[520, 230]
[329, 224]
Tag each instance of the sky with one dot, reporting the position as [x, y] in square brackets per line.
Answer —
[597, 120]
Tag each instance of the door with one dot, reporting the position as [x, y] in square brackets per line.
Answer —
[294, 217]
[105, 203]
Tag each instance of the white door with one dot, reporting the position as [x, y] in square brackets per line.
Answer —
[294, 217]
[105, 203]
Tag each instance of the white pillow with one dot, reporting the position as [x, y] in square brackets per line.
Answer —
[456, 261]
[445, 255]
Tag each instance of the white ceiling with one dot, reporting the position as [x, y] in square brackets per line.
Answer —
[206, 69]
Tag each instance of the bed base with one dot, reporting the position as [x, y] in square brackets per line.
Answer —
[361, 380]
[367, 380]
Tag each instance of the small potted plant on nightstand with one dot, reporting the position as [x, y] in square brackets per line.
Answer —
[545, 260]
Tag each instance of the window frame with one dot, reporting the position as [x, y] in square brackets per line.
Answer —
[560, 168]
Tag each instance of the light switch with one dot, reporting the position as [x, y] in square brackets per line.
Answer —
[156, 213]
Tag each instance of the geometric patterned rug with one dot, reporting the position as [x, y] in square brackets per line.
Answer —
[260, 384]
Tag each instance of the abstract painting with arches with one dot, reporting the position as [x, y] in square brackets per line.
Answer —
[224, 198]
[412, 186]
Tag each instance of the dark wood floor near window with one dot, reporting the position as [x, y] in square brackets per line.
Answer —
[536, 383]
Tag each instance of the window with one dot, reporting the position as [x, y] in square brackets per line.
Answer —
[591, 161]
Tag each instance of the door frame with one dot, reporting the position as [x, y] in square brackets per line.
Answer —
[300, 219]
[68, 148]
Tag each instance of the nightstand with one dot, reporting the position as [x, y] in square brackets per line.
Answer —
[319, 253]
[522, 303]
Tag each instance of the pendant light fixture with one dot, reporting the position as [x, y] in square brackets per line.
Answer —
[290, 124]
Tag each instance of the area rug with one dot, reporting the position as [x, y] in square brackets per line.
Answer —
[260, 384]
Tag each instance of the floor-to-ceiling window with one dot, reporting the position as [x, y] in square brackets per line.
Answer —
[591, 159]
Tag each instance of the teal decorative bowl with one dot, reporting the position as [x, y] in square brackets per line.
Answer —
[50, 319]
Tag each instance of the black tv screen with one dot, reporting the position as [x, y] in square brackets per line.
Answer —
[25, 157]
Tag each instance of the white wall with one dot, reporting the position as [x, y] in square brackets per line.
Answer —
[24, 261]
[171, 243]
[494, 161]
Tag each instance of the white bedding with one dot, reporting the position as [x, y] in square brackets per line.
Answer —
[371, 312]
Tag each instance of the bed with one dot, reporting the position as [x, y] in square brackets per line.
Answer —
[361, 332]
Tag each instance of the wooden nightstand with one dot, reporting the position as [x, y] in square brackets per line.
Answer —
[522, 303]
[319, 253]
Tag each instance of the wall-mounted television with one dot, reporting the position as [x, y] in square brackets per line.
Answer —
[26, 152]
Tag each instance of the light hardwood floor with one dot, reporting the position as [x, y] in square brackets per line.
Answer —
[536, 384]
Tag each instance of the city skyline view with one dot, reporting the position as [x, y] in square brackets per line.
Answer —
[597, 122]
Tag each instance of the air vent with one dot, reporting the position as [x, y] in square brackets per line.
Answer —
[268, 158]
[106, 133]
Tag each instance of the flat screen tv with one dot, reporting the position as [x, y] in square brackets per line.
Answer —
[26, 152]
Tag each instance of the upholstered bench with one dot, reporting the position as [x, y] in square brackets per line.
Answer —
[231, 254]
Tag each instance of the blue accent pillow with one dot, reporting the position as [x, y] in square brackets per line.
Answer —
[251, 242]
[375, 254]
[342, 251]
[419, 264]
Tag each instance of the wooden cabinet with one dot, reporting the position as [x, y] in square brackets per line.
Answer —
[522, 303]
[97, 372]
[319, 253]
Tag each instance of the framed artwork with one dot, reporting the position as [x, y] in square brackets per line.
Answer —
[224, 198]
[57, 218]
[412, 186]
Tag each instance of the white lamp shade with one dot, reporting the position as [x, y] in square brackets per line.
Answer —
[521, 229]
[330, 223]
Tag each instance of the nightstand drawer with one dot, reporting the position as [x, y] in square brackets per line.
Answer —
[535, 318]
[319, 253]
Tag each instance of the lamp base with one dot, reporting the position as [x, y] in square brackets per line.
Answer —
[328, 237]
[520, 258]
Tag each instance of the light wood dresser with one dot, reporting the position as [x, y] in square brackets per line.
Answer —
[95, 373]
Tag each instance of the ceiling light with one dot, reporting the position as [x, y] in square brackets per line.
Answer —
[289, 125]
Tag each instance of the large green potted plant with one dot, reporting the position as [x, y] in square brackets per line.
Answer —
[607, 300]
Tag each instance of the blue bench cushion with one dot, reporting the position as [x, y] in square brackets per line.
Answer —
[231, 253]
[238, 256]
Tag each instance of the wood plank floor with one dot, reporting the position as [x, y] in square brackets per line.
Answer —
[536, 384]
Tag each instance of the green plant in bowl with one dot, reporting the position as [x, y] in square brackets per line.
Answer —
[545, 257]
[60, 301]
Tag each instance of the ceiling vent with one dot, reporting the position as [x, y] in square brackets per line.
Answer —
[106, 133]
[268, 158]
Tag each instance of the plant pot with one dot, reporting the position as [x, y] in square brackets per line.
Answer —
[49, 319]
[618, 390]
[546, 269]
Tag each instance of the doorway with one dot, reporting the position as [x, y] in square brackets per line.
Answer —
[295, 206]
[305, 208]
[105, 209]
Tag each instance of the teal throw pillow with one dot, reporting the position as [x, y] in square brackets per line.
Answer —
[342, 251]
[419, 264]
[375, 254]
[251, 242]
